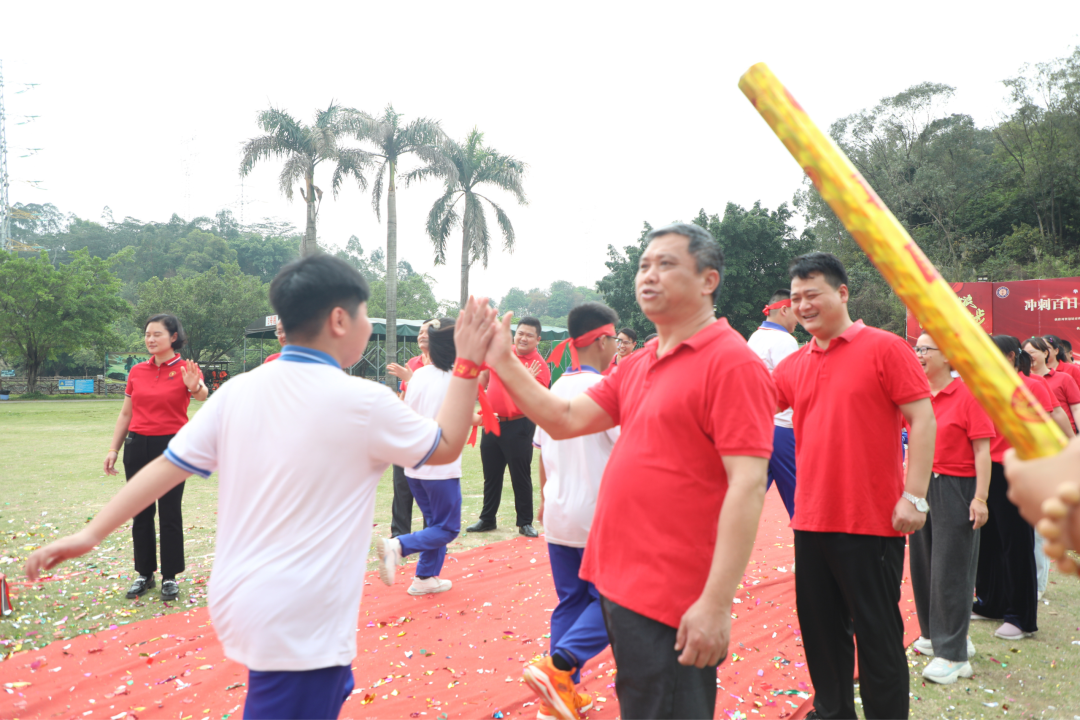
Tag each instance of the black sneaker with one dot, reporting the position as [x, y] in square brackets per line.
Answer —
[170, 590]
[140, 586]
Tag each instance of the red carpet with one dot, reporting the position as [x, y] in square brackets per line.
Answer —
[453, 655]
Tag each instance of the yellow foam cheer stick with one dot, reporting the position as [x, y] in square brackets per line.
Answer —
[969, 349]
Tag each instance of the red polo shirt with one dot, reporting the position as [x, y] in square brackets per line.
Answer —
[960, 419]
[500, 399]
[159, 398]
[1065, 390]
[1042, 393]
[1069, 369]
[847, 428]
[654, 529]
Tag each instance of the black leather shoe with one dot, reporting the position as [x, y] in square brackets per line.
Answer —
[528, 531]
[140, 586]
[480, 526]
[170, 590]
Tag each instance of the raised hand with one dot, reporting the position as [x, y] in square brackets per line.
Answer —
[535, 367]
[474, 329]
[401, 372]
[191, 376]
[501, 342]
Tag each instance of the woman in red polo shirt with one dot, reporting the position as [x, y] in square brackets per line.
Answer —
[1058, 361]
[945, 552]
[155, 408]
[1063, 386]
[1005, 584]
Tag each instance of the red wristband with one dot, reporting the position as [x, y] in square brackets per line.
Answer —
[466, 369]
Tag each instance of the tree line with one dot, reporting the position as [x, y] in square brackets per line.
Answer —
[999, 202]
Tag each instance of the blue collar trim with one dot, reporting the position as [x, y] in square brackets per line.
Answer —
[298, 353]
[583, 368]
[773, 326]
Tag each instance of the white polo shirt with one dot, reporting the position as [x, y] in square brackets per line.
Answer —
[573, 468]
[299, 447]
[773, 343]
[425, 394]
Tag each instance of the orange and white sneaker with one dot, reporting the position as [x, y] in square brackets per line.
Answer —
[584, 704]
[556, 690]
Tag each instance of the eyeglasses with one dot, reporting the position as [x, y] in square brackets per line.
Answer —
[624, 342]
[923, 349]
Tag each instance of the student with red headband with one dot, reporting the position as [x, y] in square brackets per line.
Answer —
[681, 497]
[570, 473]
[773, 342]
[155, 408]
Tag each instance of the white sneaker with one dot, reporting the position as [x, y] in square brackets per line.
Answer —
[1008, 631]
[429, 586]
[389, 552]
[924, 646]
[944, 672]
[970, 648]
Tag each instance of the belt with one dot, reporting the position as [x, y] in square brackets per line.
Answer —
[510, 419]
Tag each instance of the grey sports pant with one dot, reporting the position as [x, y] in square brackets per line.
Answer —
[944, 558]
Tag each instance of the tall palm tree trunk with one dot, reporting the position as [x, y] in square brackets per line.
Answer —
[391, 273]
[308, 246]
[464, 265]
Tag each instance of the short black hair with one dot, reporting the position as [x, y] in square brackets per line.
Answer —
[706, 251]
[825, 263]
[306, 290]
[781, 294]
[172, 326]
[441, 346]
[533, 323]
[586, 317]
[1009, 344]
[650, 337]
[629, 332]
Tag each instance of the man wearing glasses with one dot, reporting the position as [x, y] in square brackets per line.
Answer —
[513, 446]
[625, 344]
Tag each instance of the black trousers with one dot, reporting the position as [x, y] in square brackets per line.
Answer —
[139, 450]
[850, 585]
[1005, 582]
[651, 683]
[512, 448]
[402, 506]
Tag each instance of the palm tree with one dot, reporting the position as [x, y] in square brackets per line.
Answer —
[474, 165]
[304, 147]
[421, 137]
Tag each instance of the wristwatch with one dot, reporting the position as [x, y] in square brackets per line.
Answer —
[920, 503]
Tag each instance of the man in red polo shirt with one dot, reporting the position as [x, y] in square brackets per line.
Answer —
[513, 446]
[850, 388]
[681, 495]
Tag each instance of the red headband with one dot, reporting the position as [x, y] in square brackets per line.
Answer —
[581, 341]
[777, 305]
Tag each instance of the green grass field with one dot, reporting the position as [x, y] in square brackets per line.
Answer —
[51, 482]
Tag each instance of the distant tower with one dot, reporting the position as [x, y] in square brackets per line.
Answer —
[5, 206]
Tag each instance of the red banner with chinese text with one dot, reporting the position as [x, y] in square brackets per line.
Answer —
[1039, 307]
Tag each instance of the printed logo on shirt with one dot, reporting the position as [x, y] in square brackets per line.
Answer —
[172, 374]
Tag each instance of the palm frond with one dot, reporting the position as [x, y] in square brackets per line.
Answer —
[504, 224]
[295, 168]
[419, 174]
[476, 228]
[441, 219]
[259, 148]
[352, 162]
[504, 172]
[376, 191]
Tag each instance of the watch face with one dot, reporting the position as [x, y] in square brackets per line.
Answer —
[922, 506]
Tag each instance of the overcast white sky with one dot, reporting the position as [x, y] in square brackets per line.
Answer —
[624, 114]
